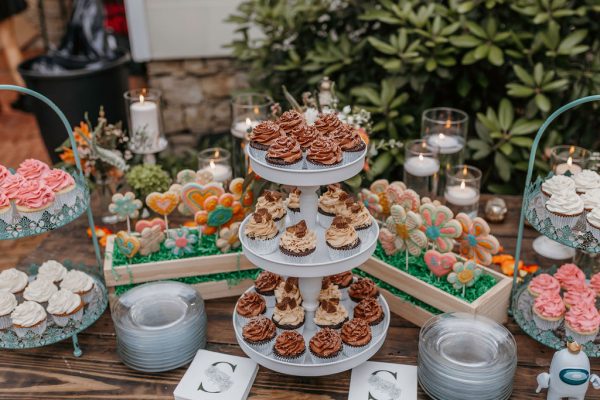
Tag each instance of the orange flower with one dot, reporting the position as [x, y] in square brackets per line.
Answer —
[102, 234]
[507, 265]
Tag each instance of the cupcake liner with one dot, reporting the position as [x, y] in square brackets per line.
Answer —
[300, 329]
[8, 215]
[294, 217]
[312, 166]
[298, 165]
[349, 156]
[64, 320]
[595, 231]
[324, 360]
[377, 329]
[364, 233]
[349, 350]
[256, 153]
[579, 337]
[560, 221]
[37, 215]
[325, 220]
[546, 325]
[36, 330]
[298, 259]
[299, 359]
[244, 320]
[89, 296]
[265, 347]
[280, 223]
[336, 254]
[5, 322]
[66, 198]
[263, 247]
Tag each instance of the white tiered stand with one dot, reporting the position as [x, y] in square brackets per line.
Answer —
[310, 274]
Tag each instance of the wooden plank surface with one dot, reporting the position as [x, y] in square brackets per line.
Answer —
[53, 373]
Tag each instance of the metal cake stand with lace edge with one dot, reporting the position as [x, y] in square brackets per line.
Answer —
[51, 220]
[576, 237]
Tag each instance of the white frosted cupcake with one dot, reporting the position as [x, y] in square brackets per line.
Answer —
[65, 306]
[591, 200]
[593, 222]
[556, 184]
[29, 317]
[40, 290]
[8, 302]
[79, 283]
[52, 270]
[586, 180]
[564, 208]
[261, 232]
[13, 281]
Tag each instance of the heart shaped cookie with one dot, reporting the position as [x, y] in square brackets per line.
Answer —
[162, 203]
[193, 194]
[439, 264]
[127, 244]
[149, 223]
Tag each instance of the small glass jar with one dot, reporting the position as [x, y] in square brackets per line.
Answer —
[567, 159]
[144, 117]
[421, 167]
[463, 185]
[217, 161]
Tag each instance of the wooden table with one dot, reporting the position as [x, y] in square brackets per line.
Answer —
[54, 373]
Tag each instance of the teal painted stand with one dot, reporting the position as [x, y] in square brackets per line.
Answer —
[24, 227]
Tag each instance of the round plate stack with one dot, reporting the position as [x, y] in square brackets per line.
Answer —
[466, 357]
[160, 326]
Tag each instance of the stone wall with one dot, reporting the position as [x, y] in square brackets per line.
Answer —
[196, 93]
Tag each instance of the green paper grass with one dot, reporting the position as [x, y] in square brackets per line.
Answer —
[418, 269]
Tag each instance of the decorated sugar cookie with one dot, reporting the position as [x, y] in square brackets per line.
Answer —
[439, 227]
[125, 207]
[149, 223]
[229, 238]
[476, 242]
[409, 199]
[181, 241]
[150, 240]
[186, 176]
[127, 244]
[204, 177]
[217, 212]
[440, 264]
[194, 194]
[464, 275]
[380, 196]
[405, 226]
[163, 203]
[236, 187]
[388, 241]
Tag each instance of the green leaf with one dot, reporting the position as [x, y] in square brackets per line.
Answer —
[503, 166]
[388, 91]
[556, 86]
[538, 73]
[525, 127]
[506, 114]
[430, 65]
[522, 141]
[469, 58]
[381, 163]
[476, 30]
[507, 149]
[464, 41]
[382, 46]
[482, 51]
[368, 93]
[495, 56]
[542, 102]
[482, 148]
[465, 7]
[570, 41]
[516, 90]
[523, 75]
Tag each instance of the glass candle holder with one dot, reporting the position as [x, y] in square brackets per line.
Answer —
[144, 117]
[421, 167]
[217, 161]
[569, 159]
[463, 184]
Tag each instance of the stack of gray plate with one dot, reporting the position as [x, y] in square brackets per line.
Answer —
[160, 326]
[466, 357]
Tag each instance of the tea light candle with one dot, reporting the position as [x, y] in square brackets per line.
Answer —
[446, 144]
[422, 166]
[241, 129]
[461, 195]
[563, 168]
[221, 173]
[144, 120]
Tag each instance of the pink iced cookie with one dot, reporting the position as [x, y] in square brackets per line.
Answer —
[549, 306]
[409, 199]
[439, 227]
[583, 319]
[543, 283]
[34, 196]
[582, 296]
[32, 169]
[570, 276]
[59, 181]
[11, 186]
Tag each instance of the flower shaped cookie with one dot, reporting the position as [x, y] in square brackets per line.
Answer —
[236, 188]
[439, 227]
[380, 196]
[404, 225]
[229, 238]
[125, 206]
[464, 275]
[476, 243]
[181, 241]
[217, 212]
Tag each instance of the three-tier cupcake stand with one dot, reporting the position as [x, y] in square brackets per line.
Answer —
[311, 274]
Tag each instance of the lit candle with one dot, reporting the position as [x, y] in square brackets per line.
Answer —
[422, 166]
[446, 144]
[221, 171]
[461, 195]
[241, 129]
[563, 168]
[145, 121]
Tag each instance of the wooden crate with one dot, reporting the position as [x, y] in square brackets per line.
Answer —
[182, 268]
[492, 304]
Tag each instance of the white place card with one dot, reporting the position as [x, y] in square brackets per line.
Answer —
[383, 381]
[216, 376]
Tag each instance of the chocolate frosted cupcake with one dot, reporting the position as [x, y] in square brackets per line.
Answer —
[325, 346]
[285, 152]
[288, 315]
[273, 202]
[323, 153]
[356, 336]
[305, 135]
[288, 288]
[291, 120]
[341, 238]
[262, 136]
[363, 288]
[289, 347]
[265, 284]
[331, 314]
[326, 124]
[250, 305]
[360, 217]
[349, 141]
[329, 203]
[343, 282]
[261, 232]
[298, 243]
[259, 333]
[370, 310]
[329, 290]
[293, 206]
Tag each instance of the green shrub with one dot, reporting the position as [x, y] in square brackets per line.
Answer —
[507, 63]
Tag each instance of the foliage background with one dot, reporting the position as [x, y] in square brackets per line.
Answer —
[508, 63]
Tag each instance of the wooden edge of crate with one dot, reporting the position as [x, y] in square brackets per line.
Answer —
[405, 309]
[182, 268]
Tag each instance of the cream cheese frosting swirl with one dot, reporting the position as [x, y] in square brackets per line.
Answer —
[583, 318]
[591, 199]
[330, 200]
[64, 302]
[341, 233]
[13, 280]
[293, 200]
[77, 282]
[288, 288]
[273, 202]
[28, 314]
[52, 270]
[330, 312]
[586, 180]
[8, 302]
[288, 312]
[32, 169]
[358, 214]
[58, 180]
[261, 226]
[549, 305]
[40, 290]
[290, 120]
[593, 218]
[34, 195]
[558, 183]
[565, 203]
[298, 238]
[11, 186]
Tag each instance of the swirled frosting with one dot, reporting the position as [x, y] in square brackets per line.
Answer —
[293, 200]
[330, 200]
[266, 132]
[39, 290]
[544, 283]
[369, 310]
[586, 180]
[330, 312]
[251, 304]
[348, 138]
[595, 282]
[64, 302]
[4, 202]
[324, 152]
[305, 135]
[359, 216]
[58, 180]
[259, 329]
[363, 288]
[289, 344]
[52, 270]
[329, 290]
[549, 305]
[327, 123]
[34, 195]
[266, 282]
[32, 169]
[298, 239]
[284, 149]
[583, 318]
[557, 184]
[77, 282]
[593, 218]
[8, 302]
[261, 226]
[356, 332]
[290, 120]
[341, 234]
[4, 173]
[273, 202]
[28, 314]
[565, 203]
[13, 280]
[288, 312]
[570, 276]
[289, 289]
[342, 280]
[583, 295]
[326, 343]
[591, 199]
[12, 185]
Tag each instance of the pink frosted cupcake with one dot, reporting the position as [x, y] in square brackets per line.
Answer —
[11, 186]
[32, 169]
[548, 311]
[4, 173]
[6, 213]
[63, 185]
[582, 323]
[543, 283]
[570, 277]
[583, 295]
[595, 283]
[33, 199]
